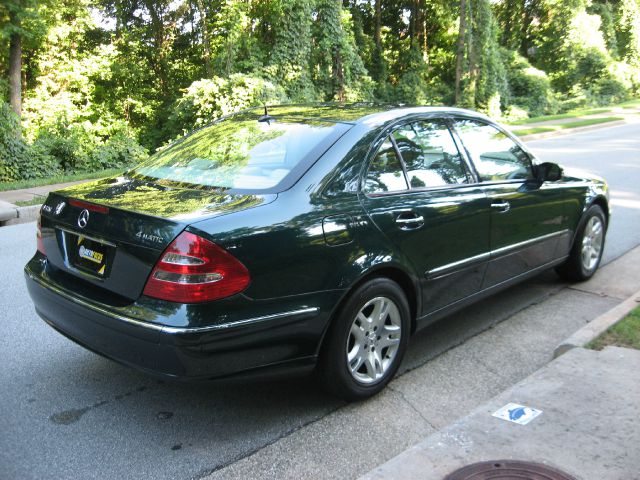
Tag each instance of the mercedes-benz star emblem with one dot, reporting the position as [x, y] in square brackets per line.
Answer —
[83, 218]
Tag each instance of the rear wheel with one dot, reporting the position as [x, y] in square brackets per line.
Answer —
[366, 342]
[586, 253]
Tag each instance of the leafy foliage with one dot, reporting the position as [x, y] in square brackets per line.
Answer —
[530, 88]
[19, 160]
[106, 81]
[205, 100]
[290, 59]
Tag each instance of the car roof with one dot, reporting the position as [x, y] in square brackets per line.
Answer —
[370, 114]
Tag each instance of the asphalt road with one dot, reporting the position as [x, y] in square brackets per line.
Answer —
[67, 413]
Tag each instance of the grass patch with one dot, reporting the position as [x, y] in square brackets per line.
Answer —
[630, 104]
[581, 112]
[36, 200]
[589, 121]
[552, 128]
[530, 131]
[562, 116]
[38, 182]
[625, 333]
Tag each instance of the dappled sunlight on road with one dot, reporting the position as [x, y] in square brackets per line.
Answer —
[624, 194]
[625, 203]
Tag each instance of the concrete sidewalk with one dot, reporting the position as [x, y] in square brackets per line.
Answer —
[27, 194]
[590, 402]
[589, 427]
[11, 214]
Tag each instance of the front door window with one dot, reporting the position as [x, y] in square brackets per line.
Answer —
[495, 155]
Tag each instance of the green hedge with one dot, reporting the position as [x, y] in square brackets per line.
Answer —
[61, 149]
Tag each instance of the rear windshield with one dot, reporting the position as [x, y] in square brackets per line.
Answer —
[242, 153]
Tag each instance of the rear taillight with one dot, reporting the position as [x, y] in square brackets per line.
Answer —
[193, 269]
[39, 233]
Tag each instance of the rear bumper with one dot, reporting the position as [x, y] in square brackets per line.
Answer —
[283, 343]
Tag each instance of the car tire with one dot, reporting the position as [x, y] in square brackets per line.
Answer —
[586, 252]
[366, 341]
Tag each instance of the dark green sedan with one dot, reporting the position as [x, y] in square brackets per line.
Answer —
[306, 238]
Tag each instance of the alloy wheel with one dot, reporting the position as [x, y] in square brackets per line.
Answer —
[374, 339]
[592, 243]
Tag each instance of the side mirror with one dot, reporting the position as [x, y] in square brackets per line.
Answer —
[548, 172]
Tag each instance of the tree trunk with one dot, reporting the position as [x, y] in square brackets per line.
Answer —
[378, 25]
[460, 50]
[420, 29]
[206, 40]
[413, 24]
[159, 61]
[378, 71]
[524, 32]
[338, 76]
[15, 69]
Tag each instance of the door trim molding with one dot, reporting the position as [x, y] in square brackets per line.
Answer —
[465, 263]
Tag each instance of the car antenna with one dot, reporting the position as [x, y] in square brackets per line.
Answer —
[266, 117]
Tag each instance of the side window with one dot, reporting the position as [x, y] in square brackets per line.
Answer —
[495, 155]
[430, 154]
[385, 171]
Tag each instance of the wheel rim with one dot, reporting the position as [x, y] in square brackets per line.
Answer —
[374, 340]
[592, 243]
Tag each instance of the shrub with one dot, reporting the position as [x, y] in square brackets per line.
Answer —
[120, 150]
[68, 145]
[13, 149]
[610, 90]
[19, 160]
[87, 147]
[514, 113]
[530, 88]
[574, 99]
[208, 99]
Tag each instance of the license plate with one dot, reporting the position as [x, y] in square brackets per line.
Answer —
[91, 255]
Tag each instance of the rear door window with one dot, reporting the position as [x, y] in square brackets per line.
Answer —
[495, 156]
[385, 173]
[430, 155]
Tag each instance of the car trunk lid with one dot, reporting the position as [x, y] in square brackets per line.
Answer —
[111, 232]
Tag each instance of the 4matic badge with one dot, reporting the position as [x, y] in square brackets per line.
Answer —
[148, 237]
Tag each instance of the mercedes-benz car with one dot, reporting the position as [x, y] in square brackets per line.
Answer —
[316, 238]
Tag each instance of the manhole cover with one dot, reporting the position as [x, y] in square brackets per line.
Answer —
[508, 470]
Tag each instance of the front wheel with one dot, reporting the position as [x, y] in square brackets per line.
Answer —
[366, 342]
[586, 253]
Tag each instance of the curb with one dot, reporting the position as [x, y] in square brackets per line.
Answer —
[597, 326]
[7, 211]
[568, 131]
[13, 215]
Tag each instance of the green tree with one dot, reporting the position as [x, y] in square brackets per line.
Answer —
[233, 38]
[23, 23]
[482, 84]
[336, 63]
[291, 56]
[628, 31]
